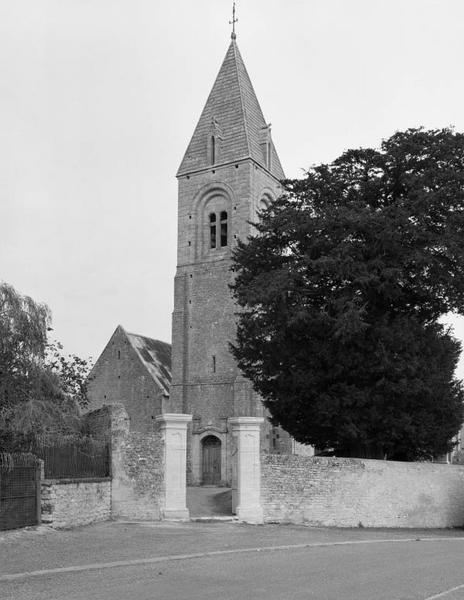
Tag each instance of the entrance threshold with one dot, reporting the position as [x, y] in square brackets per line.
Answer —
[216, 519]
[208, 502]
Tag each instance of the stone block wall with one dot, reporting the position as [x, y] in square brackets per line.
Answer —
[137, 468]
[73, 502]
[136, 488]
[347, 492]
[98, 423]
[205, 379]
[119, 377]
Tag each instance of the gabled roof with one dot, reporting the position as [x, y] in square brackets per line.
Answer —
[155, 356]
[233, 106]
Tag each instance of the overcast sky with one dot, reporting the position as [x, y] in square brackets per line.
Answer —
[99, 98]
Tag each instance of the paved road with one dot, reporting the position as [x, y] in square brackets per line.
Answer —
[333, 564]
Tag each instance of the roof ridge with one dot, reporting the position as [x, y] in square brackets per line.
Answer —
[245, 120]
[147, 337]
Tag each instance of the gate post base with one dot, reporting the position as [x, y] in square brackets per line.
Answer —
[251, 514]
[176, 515]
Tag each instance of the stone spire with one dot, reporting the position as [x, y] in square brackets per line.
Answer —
[232, 115]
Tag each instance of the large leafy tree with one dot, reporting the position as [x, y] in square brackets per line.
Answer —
[341, 291]
[40, 388]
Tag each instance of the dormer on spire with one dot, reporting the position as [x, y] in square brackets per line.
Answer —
[214, 142]
[266, 145]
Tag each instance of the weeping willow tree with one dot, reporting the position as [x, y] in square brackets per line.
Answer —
[40, 389]
[24, 324]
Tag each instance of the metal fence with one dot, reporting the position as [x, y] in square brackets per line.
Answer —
[19, 494]
[20, 475]
[79, 459]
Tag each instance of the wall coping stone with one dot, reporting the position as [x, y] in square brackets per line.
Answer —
[76, 480]
[424, 464]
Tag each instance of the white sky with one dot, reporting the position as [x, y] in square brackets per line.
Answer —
[99, 98]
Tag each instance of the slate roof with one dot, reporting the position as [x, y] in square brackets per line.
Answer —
[156, 357]
[234, 106]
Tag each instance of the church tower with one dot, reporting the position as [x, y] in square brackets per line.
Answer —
[229, 171]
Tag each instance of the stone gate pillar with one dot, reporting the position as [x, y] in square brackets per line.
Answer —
[247, 430]
[174, 430]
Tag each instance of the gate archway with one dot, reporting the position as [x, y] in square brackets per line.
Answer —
[210, 460]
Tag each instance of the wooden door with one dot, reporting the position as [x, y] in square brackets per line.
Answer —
[211, 460]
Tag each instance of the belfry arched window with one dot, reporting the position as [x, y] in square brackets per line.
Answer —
[218, 239]
[212, 230]
[223, 229]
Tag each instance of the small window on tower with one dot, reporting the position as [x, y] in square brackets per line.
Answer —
[223, 229]
[212, 230]
[119, 354]
[213, 150]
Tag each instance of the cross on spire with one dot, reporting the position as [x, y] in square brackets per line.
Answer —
[234, 20]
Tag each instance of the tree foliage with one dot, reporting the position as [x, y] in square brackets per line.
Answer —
[40, 388]
[23, 339]
[341, 292]
[71, 370]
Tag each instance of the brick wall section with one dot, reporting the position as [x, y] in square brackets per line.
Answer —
[73, 502]
[346, 492]
[137, 468]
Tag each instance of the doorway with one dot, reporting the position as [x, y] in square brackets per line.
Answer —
[211, 460]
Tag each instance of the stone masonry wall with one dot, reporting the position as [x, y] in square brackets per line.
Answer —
[205, 379]
[137, 468]
[98, 423]
[347, 492]
[73, 502]
[137, 463]
[135, 489]
[119, 377]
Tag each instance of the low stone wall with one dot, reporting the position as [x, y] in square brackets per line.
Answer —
[347, 492]
[74, 502]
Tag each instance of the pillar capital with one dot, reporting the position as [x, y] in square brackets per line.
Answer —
[246, 423]
[173, 420]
